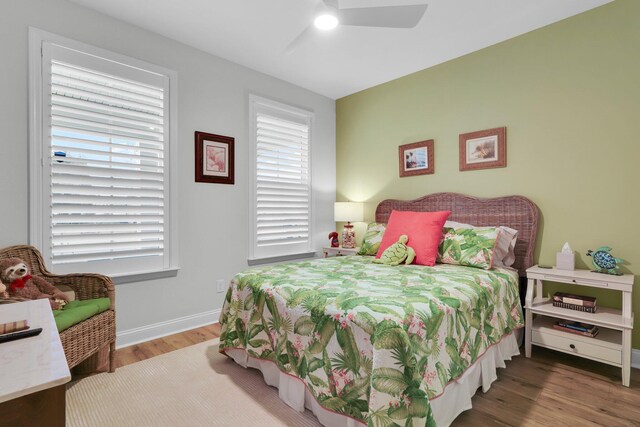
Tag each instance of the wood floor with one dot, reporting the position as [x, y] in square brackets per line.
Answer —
[138, 352]
[550, 389]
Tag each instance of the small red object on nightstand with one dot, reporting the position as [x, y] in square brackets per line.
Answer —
[334, 239]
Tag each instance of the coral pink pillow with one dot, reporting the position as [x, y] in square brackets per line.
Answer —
[424, 230]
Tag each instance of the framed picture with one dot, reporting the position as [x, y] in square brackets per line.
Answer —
[214, 158]
[484, 149]
[416, 158]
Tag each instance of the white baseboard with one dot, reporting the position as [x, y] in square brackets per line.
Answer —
[168, 327]
[635, 358]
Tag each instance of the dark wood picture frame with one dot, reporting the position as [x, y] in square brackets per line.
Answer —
[487, 147]
[417, 166]
[215, 160]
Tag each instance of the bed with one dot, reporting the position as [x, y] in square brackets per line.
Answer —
[361, 343]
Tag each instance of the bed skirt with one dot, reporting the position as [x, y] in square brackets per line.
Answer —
[446, 407]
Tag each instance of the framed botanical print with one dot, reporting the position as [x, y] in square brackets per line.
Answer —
[214, 158]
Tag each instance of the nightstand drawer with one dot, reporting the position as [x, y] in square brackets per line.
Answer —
[578, 281]
[576, 346]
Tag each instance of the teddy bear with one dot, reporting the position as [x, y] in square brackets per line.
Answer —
[15, 273]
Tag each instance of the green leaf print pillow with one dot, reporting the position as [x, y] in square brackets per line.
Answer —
[372, 239]
[473, 247]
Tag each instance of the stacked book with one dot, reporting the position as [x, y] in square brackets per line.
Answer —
[574, 302]
[18, 325]
[579, 328]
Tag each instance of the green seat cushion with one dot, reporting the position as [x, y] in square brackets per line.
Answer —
[77, 311]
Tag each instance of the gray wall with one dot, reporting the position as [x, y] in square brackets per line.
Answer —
[212, 97]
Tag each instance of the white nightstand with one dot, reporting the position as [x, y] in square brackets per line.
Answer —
[612, 345]
[340, 251]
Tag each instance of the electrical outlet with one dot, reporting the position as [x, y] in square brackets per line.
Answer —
[220, 285]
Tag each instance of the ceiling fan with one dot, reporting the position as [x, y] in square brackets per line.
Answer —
[329, 16]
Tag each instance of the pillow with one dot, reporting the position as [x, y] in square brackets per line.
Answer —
[505, 249]
[472, 247]
[424, 230]
[504, 252]
[68, 291]
[372, 239]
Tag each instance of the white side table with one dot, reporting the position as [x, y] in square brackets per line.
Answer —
[612, 345]
[339, 251]
[33, 370]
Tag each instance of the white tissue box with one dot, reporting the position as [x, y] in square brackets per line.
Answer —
[565, 261]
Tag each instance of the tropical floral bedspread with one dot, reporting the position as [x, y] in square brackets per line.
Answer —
[370, 341]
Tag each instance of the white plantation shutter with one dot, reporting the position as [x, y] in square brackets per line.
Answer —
[105, 164]
[282, 184]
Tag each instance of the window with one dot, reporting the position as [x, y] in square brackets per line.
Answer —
[101, 157]
[281, 196]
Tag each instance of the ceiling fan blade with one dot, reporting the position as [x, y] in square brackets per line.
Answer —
[302, 38]
[331, 3]
[386, 16]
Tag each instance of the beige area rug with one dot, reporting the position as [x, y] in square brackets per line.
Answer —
[194, 386]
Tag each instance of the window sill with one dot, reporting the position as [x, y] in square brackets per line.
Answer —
[281, 258]
[144, 275]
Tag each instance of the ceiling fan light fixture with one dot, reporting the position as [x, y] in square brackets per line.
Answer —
[326, 21]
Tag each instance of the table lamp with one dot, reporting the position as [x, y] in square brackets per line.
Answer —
[347, 212]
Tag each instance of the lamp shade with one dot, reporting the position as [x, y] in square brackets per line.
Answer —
[348, 212]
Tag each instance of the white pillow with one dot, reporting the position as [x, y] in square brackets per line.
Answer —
[68, 291]
[504, 251]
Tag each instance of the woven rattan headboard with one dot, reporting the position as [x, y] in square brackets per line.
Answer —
[516, 212]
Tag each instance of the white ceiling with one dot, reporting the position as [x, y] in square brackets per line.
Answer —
[256, 33]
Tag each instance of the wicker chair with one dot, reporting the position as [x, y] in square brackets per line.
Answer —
[92, 335]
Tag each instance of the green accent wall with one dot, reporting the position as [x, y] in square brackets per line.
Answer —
[569, 95]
